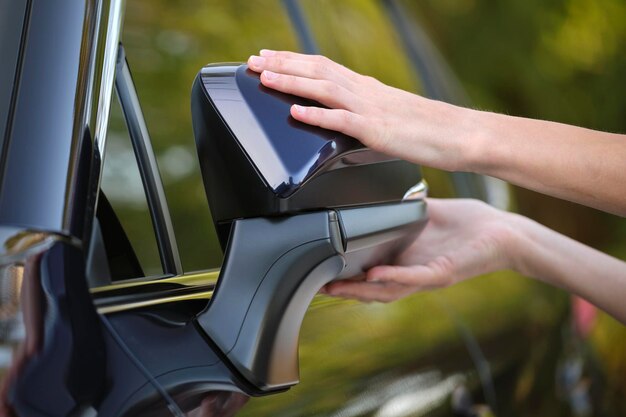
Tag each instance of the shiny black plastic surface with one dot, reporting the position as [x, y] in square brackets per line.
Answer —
[257, 160]
[287, 152]
[42, 143]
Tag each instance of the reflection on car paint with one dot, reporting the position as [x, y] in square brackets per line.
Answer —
[220, 404]
[412, 395]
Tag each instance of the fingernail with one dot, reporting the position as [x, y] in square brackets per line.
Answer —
[256, 61]
[299, 109]
[267, 52]
[269, 75]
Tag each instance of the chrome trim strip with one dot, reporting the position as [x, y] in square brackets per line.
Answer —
[418, 192]
[114, 28]
[92, 66]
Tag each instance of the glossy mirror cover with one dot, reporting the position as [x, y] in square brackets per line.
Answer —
[257, 160]
[290, 152]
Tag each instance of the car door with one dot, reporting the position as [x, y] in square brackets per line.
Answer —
[55, 349]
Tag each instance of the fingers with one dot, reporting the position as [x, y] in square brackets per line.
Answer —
[326, 92]
[368, 291]
[437, 273]
[340, 120]
[317, 69]
[318, 64]
[473, 258]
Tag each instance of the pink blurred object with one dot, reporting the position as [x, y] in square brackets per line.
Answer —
[584, 315]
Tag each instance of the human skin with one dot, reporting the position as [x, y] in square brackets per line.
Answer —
[453, 248]
[573, 163]
[569, 162]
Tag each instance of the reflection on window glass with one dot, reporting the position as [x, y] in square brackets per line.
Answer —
[122, 185]
[358, 34]
[167, 43]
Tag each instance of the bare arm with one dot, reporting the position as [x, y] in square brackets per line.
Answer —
[453, 249]
[573, 163]
[569, 162]
[563, 262]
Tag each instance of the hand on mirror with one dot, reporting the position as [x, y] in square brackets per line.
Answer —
[384, 118]
[463, 239]
[552, 158]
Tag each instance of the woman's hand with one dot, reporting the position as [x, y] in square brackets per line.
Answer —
[467, 238]
[573, 163]
[384, 118]
[463, 239]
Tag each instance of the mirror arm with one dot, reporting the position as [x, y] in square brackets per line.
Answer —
[274, 267]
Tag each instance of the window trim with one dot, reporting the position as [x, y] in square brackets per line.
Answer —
[148, 168]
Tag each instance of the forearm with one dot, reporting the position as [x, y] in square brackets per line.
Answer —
[568, 162]
[560, 261]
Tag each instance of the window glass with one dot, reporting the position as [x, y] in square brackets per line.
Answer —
[358, 34]
[125, 193]
[11, 22]
[167, 43]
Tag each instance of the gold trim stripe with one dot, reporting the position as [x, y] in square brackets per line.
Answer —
[147, 303]
[189, 280]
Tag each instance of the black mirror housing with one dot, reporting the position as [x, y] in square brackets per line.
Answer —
[258, 161]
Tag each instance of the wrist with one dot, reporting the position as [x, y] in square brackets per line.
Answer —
[522, 244]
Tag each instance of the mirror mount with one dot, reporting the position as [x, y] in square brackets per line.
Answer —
[273, 269]
[275, 266]
[295, 206]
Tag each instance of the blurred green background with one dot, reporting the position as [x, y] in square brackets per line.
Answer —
[559, 60]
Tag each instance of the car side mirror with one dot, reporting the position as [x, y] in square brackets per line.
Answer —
[295, 207]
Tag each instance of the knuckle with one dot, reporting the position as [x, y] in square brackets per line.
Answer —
[346, 117]
[330, 89]
[279, 64]
[322, 70]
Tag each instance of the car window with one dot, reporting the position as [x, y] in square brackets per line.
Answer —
[123, 209]
[12, 13]
[358, 34]
[166, 44]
